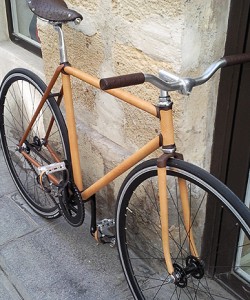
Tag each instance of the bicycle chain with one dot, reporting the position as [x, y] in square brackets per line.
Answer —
[70, 202]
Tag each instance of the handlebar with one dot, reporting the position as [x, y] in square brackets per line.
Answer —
[171, 82]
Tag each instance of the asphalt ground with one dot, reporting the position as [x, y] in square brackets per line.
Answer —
[49, 259]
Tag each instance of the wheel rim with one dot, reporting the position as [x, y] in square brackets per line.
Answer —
[21, 99]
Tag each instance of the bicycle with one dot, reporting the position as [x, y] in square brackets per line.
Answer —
[159, 238]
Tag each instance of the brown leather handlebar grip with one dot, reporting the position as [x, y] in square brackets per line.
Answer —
[236, 59]
[122, 81]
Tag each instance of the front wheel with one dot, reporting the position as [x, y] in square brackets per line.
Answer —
[139, 232]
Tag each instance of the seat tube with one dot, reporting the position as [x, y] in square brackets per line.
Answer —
[71, 125]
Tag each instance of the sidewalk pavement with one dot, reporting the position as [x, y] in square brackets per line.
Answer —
[44, 260]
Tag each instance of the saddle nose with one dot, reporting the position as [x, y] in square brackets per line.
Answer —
[53, 10]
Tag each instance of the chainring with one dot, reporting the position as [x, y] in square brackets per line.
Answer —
[71, 205]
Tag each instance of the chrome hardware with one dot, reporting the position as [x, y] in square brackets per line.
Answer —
[46, 184]
[172, 82]
[183, 85]
[171, 279]
[62, 47]
[77, 21]
[167, 76]
[112, 242]
[169, 150]
[52, 168]
[209, 72]
[22, 148]
[105, 224]
[164, 101]
[156, 82]
[104, 233]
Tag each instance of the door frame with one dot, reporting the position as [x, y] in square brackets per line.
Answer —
[227, 141]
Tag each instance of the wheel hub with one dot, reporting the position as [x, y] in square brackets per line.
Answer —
[194, 267]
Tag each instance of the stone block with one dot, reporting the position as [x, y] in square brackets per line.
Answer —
[7, 290]
[13, 222]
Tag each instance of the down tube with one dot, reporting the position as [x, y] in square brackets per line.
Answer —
[149, 148]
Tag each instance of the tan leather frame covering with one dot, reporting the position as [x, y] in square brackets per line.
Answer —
[167, 139]
[73, 141]
[118, 93]
[123, 167]
[187, 215]
[167, 127]
[162, 183]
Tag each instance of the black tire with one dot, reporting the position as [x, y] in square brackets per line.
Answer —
[20, 94]
[139, 235]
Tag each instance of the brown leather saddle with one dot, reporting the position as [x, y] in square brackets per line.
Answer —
[53, 10]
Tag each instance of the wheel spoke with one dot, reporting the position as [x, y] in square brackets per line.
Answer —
[21, 95]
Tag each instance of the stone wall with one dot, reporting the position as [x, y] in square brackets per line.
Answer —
[124, 36]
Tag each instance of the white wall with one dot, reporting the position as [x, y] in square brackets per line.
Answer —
[13, 56]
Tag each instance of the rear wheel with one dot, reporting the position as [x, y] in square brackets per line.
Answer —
[139, 232]
[20, 94]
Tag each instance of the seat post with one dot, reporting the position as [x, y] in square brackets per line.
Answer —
[62, 46]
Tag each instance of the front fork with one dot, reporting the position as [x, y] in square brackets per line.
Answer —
[168, 147]
[163, 199]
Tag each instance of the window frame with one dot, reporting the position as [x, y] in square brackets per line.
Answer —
[17, 39]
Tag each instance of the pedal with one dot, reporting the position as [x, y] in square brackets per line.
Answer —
[45, 171]
[52, 168]
[103, 233]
